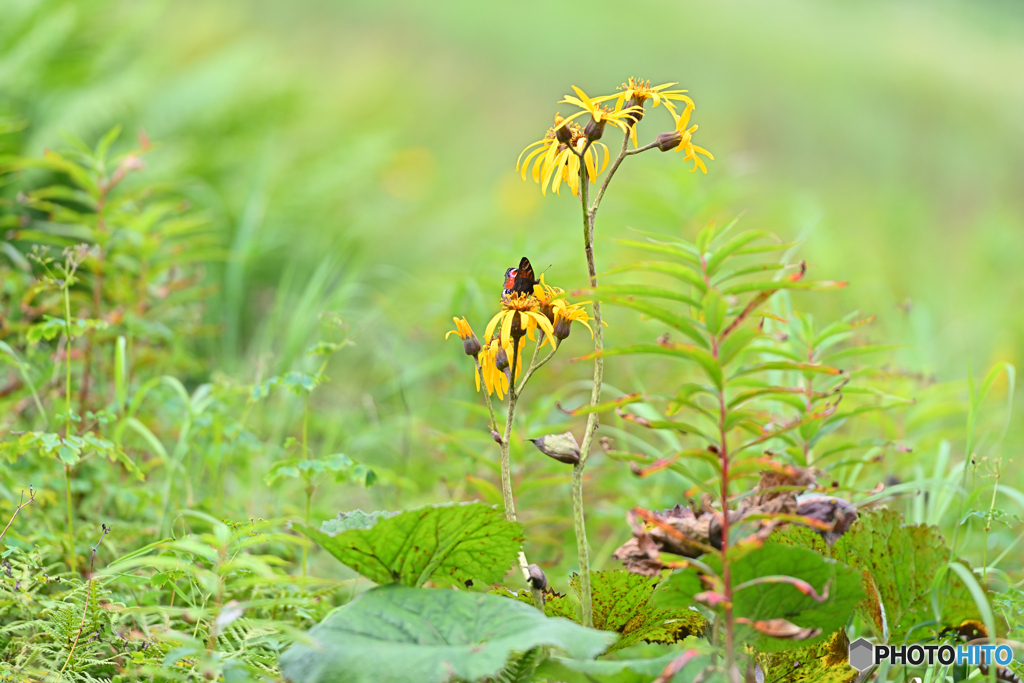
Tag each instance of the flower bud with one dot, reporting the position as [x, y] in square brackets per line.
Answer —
[501, 359]
[561, 447]
[594, 129]
[563, 133]
[638, 115]
[517, 330]
[562, 327]
[471, 345]
[670, 140]
[537, 579]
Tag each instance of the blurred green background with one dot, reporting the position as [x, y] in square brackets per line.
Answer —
[359, 158]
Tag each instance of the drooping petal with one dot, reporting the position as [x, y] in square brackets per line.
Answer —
[489, 332]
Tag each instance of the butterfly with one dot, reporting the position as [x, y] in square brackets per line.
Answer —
[520, 279]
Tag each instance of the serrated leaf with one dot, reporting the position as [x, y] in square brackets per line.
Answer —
[825, 662]
[622, 603]
[398, 634]
[555, 604]
[899, 563]
[450, 544]
[618, 671]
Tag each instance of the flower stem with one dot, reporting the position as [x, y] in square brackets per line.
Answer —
[506, 467]
[589, 218]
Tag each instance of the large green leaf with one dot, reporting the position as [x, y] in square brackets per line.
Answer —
[766, 601]
[824, 662]
[622, 603]
[760, 602]
[618, 671]
[449, 544]
[899, 564]
[397, 634]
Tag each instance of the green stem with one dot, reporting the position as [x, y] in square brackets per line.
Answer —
[72, 560]
[68, 427]
[589, 218]
[506, 467]
[309, 484]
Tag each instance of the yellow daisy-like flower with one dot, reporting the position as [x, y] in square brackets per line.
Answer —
[686, 142]
[639, 91]
[519, 315]
[635, 92]
[598, 114]
[495, 380]
[554, 162]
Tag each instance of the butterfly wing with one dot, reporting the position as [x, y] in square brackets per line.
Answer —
[510, 280]
[524, 278]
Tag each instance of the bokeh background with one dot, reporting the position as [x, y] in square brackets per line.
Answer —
[359, 157]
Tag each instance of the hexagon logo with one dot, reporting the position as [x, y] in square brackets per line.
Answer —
[862, 654]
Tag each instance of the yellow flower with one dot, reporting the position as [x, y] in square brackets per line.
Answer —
[554, 162]
[495, 379]
[599, 115]
[635, 92]
[470, 344]
[519, 315]
[568, 314]
[639, 91]
[686, 142]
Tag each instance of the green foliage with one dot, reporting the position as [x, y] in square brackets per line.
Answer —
[618, 671]
[903, 572]
[622, 603]
[822, 662]
[400, 634]
[160, 368]
[452, 544]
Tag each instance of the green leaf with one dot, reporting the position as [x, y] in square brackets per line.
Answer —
[738, 242]
[397, 634]
[647, 291]
[679, 322]
[622, 603]
[677, 591]
[824, 662]
[899, 564]
[785, 365]
[682, 252]
[772, 285]
[450, 544]
[555, 604]
[691, 353]
[683, 273]
[715, 309]
[764, 601]
[618, 671]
